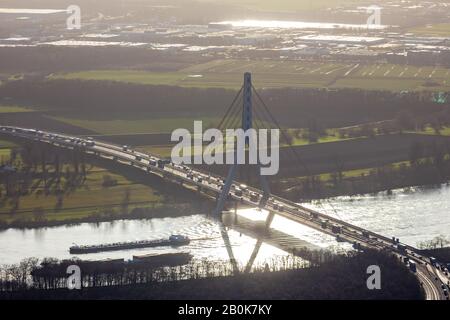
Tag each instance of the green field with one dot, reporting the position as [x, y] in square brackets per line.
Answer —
[147, 123]
[161, 151]
[226, 74]
[93, 203]
[279, 74]
[331, 136]
[13, 109]
[89, 198]
[444, 131]
[140, 77]
[433, 30]
[4, 147]
[327, 177]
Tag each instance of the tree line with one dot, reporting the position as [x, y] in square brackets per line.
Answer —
[428, 165]
[343, 276]
[51, 273]
[47, 59]
[294, 108]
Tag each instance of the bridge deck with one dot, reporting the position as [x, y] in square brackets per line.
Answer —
[202, 180]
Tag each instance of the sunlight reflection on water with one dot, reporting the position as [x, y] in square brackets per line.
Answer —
[413, 216]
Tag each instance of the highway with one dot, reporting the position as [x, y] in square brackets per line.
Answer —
[359, 237]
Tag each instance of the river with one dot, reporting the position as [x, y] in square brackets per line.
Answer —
[414, 215]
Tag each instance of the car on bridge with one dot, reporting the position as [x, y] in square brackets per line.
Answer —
[254, 197]
[336, 229]
[401, 247]
[90, 143]
[433, 261]
[412, 266]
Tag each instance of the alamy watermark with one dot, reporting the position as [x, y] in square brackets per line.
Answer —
[74, 279]
[374, 20]
[73, 22]
[374, 280]
[229, 150]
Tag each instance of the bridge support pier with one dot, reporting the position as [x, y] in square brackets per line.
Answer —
[247, 123]
[269, 219]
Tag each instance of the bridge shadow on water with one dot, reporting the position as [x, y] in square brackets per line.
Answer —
[276, 238]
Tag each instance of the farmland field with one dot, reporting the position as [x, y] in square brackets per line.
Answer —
[93, 196]
[82, 198]
[146, 124]
[4, 147]
[435, 30]
[13, 109]
[279, 74]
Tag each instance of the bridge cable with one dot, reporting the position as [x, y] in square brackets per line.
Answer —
[293, 150]
[258, 126]
[231, 106]
[282, 131]
[231, 117]
[229, 122]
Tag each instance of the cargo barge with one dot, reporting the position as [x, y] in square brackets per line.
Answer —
[173, 240]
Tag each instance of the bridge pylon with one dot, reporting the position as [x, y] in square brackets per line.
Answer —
[247, 123]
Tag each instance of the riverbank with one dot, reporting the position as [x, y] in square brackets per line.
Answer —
[47, 186]
[163, 211]
[342, 278]
[419, 172]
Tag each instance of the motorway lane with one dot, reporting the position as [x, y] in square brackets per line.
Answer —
[431, 291]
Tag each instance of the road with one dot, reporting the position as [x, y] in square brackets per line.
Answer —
[359, 237]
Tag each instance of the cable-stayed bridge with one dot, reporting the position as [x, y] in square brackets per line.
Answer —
[242, 113]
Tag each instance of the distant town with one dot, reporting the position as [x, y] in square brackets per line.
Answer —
[356, 42]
